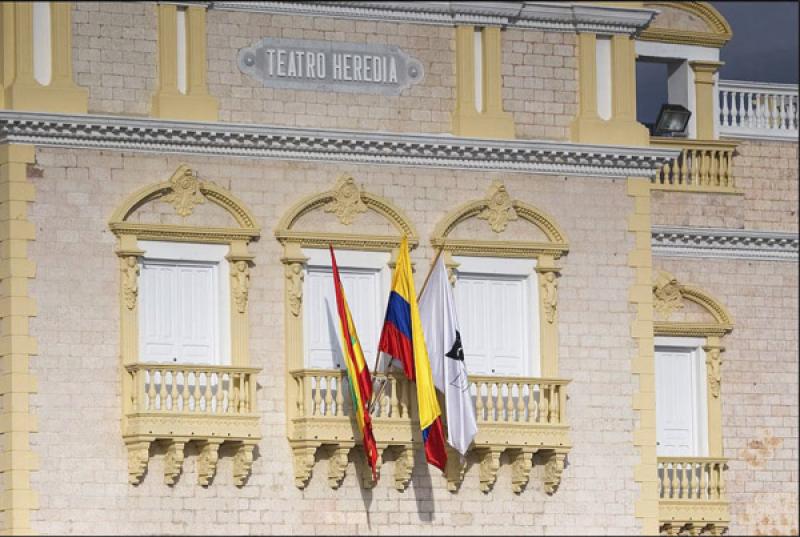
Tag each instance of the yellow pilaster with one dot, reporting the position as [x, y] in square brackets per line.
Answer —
[168, 102]
[622, 128]
[21, 91]
[641, 296]
[548, 308]
[704, 72]
[491, 121]
[17, 460]
[713, 349]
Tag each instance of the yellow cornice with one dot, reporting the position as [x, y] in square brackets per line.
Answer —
[719, 34]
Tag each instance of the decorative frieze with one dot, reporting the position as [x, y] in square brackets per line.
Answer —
[346, 201]
[255, 141]
[724, 243]
[184, 191]
[499, 210]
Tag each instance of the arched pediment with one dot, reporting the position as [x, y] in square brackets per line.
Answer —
[670, 297]
[346, 200]
[688, 23]
[184, 191]
[498, 209]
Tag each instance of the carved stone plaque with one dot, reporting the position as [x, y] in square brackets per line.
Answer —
[330, 66]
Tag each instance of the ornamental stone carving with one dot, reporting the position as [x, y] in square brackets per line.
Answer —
[500, 209]
[207, 462]
[553, 468]
[403, 467]
[303, 458]
[490, 464]
[138, 455]
[130, 281]
[173, 462]
[667, 296]
[337, 466]
[521, 465]
[294, 289]
[454, 470]
[366, 480]
[242, 463]
[185, 191]
[240, 284]
[713, 363]
[550, 296]
[346, 202]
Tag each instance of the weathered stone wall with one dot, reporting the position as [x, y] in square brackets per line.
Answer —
[759, 388]
[83, 479]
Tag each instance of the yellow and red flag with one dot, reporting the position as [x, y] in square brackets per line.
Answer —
[358, 377]
[403, 338]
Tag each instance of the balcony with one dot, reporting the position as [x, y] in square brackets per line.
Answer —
[177, 403]
[703, 166]
[758, 110]
[523, 416]
[692, 498]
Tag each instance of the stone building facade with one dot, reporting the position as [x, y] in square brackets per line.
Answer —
[139, 146]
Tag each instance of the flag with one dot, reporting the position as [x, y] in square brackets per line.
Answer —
[437, 310]
[402, 338]
[358, 376]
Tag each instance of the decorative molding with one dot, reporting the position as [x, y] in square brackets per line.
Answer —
[713, 363]
[138, 457]
[667, 295]
[490, 464]
[403, 466]
[337, 465]
[719, 31]
[184, 191]
[670, 241]
[499, 209]
[550, 295]
[346, 202]
[303, 457]
[173, 461]
[294, 288]
[553, 468]
[255, 141]
[240, 283]
[564, 17]
[242, 463]
[207, 461]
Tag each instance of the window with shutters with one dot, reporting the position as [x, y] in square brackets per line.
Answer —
[366, 279]
[496, 301]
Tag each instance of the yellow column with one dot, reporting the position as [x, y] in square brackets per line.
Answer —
[622, 128]
[704, 96]
[21, 91]
[168, 102]
[491, 121]
[17, 460]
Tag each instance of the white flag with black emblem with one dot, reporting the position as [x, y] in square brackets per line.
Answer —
[437, 310]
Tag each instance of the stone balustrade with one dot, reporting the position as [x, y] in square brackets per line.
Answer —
[758, 110]
[692, 496]
[703, 165]
[523, 415]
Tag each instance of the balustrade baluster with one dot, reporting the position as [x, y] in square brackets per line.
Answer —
[695, 167]
[684, 483]
[714, 471]
[173, 392]
[544, 404]
[394, 402]
[206, 391]
[317, 395]
[780, 112]
[151, 389]
[532, 406]
[509, 402]
[670, 467]
[185, 391]
[328, 396]
[724, 108]
[659, 176]
[339, 396]
[521, 402]
[703, 494]
[684, 167]
[479, 401]
[490, 402]
[554, 406]
[722, 491]
[216, 406]
[661, 471]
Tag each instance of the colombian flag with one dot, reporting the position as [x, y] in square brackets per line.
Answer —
[358, 376]
[402, 337]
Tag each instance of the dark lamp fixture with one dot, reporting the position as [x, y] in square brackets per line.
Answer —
[672, 120]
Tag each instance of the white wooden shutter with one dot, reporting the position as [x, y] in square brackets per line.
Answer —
[323, 338]
[676, 414]
[494, 320]
[179, 319]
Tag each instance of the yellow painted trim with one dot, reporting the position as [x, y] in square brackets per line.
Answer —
[141, 428]
[705, 96]
[492, 121]
[622, 128]
[720, 30]
[167, 102]
[643, 366]
[17, 345]
[20, 90]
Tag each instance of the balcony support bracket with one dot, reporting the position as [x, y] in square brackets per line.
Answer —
[337, 464]
[242, 462]
[303, 457]
[403, 467]
[207, 461]
[490, 463]
[173, 460]
[521, 465]
[138, 456]
[553, 468]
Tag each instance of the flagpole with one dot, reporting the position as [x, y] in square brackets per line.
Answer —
[376, 396]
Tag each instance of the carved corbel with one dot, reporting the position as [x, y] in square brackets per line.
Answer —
[490, 464]
[521, 464]
[454, 471]
[138, 456]
[337, 466]
[713, 366]
[553, 468]
[671, 529]
[499, 210]
[173, 461]
[242, 463]
[303, 458]
[366, 480]
[207, 462]
[403, 467]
